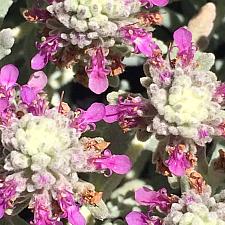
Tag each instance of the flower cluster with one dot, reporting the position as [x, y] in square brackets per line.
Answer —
[190, 209]
[94, 35]
[185, 105]
[42, 153]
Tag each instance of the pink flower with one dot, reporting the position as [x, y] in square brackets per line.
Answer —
[183, 40]
[42, 212]
[125, 112]
[151, 3]
[119, 164]
[8, 77]
[47, 49]
[70, 208]
[153, 199]
[220, 93]
[85, 120]
[178, 162]
[141, 40]
[138, 218]
[7, 195]
[97, 72]
[35, 85]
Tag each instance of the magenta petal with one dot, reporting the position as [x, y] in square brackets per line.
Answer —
[98, 84]
[119, 164]
[8, 75]
[27, 94]
[182, 38]
[95, 112]
[136, 218]
[178, 164]
[160, 2]
[39, 61]
[2, 211]
[144, 45]
[111, 114]
[38, 81]
[3, 104]
[74, 216]
[145, 196]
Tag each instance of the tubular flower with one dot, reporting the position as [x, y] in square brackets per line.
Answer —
[76, 27]
[127, 111]
[44, 154]
[178, 161]
[154, 200]
[138, 218]
[8, 194]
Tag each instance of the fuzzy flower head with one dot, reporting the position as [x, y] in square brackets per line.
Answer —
[43, 153]
[52, 163]
[200, 208]
[76, 27]
[185, 98]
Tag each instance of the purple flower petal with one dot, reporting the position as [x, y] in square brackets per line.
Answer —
[183, 39]
[147, 197]
[160, 2]
[95, 113]
[98, 82]
[178, 163]
[28, 94]
[38, 81]
[97, 73]
[111, 114]
[39, 61]
[8, 75]
[3, 104]
[74, 216]
[119, 164]
[136, 218]
[2, 211]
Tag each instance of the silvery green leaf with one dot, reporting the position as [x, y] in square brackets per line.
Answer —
[4, 7]
[128, 186]
[216, 178]
[100, 211]
[20, 206]
[16, 220]
[134, 60]
[171, 19]
[205, 61]
[174, 182]
[151, 144]
[124, 85]
[112, 97]
[114, 81]
[6, 42]
[145, 81]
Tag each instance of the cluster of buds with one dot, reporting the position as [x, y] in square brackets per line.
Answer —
[185, 104]
[191, 208]
[42, 153]
[94, 35]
